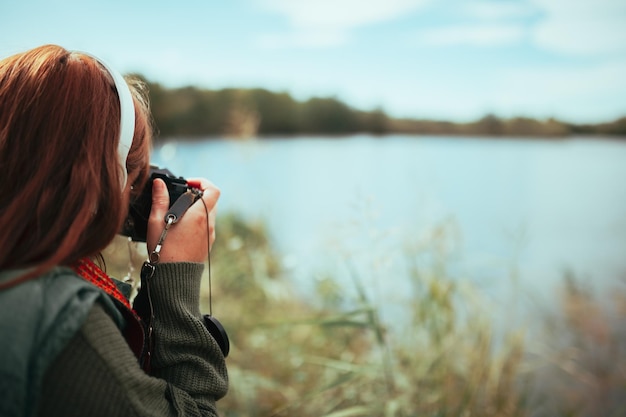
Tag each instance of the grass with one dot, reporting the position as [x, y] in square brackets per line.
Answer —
[333, 352]
[579, 367]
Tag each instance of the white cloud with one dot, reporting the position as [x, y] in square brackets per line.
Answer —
[308, 39]
[486, 23]
[497, 10]
[473, 35]
[340, 14]
[324, 23]
[582, 28]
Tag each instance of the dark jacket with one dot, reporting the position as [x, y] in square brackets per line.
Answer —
[63, 352]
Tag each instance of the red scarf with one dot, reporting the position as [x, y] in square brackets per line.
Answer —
[133, 332]
[89, 271]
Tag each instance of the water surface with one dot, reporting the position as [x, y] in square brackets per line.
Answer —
[523, 208]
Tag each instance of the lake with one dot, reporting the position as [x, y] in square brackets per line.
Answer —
[523, 209]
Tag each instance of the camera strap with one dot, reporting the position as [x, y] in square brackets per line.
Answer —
[174, 214]
[148, 269]
[176, 211]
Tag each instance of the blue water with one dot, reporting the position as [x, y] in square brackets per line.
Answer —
[524, 209]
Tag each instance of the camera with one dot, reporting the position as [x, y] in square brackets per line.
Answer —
[136, 227]
[136, 224]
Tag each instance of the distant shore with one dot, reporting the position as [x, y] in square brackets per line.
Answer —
[192, 112]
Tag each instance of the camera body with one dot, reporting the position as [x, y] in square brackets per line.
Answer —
[136, 224]
[136, 227]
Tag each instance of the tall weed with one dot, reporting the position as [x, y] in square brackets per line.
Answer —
[343, 349]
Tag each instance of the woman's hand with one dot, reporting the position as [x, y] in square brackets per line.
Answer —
[186, 240]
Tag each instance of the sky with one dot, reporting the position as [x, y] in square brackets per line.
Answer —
[452, 60]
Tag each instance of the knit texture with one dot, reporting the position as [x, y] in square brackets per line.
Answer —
[183, 344]
[94, 372]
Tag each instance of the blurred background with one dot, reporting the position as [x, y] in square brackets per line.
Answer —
[423, 207]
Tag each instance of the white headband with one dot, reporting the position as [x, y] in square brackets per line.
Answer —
[127, 116]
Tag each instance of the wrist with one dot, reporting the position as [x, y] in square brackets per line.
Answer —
[178, 281]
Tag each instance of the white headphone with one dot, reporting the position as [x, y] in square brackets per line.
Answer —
[127, 115]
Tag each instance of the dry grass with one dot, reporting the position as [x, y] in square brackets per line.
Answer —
[332, 354]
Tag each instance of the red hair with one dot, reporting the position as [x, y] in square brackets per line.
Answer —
[60, 197]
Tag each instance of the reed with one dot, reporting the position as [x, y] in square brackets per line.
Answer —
[579, 367]
[335, 351]
[331, 353]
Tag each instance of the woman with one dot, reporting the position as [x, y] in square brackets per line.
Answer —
[74, 149]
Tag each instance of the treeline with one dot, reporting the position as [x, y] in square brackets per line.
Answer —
[193, 112]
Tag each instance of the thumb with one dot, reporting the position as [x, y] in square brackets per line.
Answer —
[160, 199]
[160, 205]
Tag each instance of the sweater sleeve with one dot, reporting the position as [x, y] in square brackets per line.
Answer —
[98, 375]
[185, 353]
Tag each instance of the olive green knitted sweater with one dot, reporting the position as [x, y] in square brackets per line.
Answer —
[96, 373]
